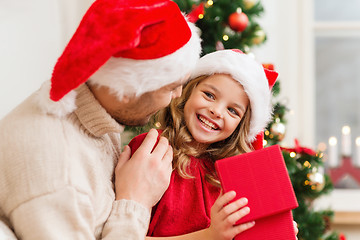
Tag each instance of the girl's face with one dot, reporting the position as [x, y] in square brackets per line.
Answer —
[215, 108]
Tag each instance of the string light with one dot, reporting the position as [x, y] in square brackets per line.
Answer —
[201, 16]
[209, 3]
[307, 164]
[292, 154]
[225, 37]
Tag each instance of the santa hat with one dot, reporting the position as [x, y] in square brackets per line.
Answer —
[132, 47]
[256, 80]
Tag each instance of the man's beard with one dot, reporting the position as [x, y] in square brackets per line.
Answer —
[133, 122]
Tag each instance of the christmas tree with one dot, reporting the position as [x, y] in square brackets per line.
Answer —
[226, 24]
[229, 24]
[306, 170]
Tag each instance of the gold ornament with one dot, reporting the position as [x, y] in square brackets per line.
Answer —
[259, 37]
[278, 129]
[316, 180]
[249, 3]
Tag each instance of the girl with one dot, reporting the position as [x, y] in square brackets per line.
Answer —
[220, 113]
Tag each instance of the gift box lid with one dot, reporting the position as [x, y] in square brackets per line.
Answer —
[260, 176]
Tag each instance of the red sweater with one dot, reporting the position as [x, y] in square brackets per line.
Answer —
[186, 204]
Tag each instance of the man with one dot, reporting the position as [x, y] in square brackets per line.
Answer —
[58, 151]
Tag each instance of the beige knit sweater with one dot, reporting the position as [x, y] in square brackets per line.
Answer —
[56, 174]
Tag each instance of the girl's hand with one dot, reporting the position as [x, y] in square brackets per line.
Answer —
[224, 216]
[296, 229]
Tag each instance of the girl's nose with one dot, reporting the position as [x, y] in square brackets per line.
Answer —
[216, 111]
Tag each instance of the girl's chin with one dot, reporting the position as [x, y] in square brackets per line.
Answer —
[202, 140]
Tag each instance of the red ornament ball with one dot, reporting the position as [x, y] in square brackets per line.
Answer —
[238, 21]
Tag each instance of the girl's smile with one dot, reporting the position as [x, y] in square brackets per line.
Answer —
[208, 124]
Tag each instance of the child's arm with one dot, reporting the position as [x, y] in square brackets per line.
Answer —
[223, 218]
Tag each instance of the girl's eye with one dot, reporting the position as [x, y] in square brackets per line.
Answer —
[233, 111]
[209, 95]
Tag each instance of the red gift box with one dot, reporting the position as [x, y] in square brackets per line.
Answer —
[261, 176]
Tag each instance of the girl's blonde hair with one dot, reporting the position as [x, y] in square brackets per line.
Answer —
[174, 128]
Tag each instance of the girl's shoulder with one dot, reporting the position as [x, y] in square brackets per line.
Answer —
[135, 143]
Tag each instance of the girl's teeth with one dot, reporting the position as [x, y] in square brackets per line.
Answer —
[207, 123]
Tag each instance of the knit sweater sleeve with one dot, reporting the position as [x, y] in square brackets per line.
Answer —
[40, 218]
[37, 219]
[128, 220]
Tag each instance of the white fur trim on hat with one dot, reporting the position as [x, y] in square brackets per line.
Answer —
[250, 74]
[60, 108]
[126, 77]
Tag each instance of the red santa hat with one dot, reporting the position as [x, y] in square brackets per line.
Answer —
[132, 47]
[256, 80]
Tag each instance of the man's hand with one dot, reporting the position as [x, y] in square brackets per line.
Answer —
[146, 175]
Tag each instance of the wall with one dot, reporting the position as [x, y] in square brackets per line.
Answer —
[33, 34]
[30, 40]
